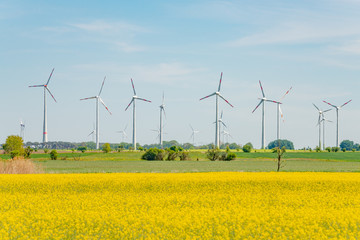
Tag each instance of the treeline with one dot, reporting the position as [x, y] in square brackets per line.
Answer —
[123, 145]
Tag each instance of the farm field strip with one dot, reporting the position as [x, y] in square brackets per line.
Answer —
[243, 165]
[180, 206]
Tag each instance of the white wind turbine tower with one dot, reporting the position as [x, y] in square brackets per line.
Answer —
[321, 117]
[22, 130]
[98, 99]
[337, 119]
[162, 110]
[217, 94]
[133, 101]
[45, 86]
[193, 134]
[323, 120]
[280, 112]
[262, 101]
[221, 122]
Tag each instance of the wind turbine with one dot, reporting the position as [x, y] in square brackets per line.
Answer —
[98, 99]
[22, 130]
[193, 134]
[337, 119]
[45, 86]
[280, 112]
[321, 117]
[133, 100]
[217, 94]
[162, 110]
[262, 101]
[221, 122]
[323, 120]
[123, 133]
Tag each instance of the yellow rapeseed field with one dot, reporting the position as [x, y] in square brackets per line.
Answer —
[180, 206]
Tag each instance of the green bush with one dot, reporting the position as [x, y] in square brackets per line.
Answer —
[247, 148]
[82, 149]
[328, 149]
[53, 154]
[213, 153]
[335, 149]
[106, 148]
[318, 149]
[344, 149]
[46, 150]
[28, 151]
[153, 154]
[184, 156]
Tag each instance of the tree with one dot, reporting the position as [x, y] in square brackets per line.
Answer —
[53, 154]
[247, 148]
[14, 143]
[28, 151]
[106, 148]
[347, 144]
[283, 143]
[82, 149]
[280, 153]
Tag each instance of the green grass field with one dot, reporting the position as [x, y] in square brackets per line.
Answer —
[295, 161]
[253, 165]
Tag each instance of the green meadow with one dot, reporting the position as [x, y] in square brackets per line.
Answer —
[259, 161]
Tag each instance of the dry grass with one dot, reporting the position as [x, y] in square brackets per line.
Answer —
[20, 166]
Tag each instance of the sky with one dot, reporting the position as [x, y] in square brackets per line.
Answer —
[180, 48]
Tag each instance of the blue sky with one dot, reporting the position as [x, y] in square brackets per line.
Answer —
[179, 47]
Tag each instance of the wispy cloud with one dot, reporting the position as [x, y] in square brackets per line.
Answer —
[294, 33]
[119, 35]
[109, 27]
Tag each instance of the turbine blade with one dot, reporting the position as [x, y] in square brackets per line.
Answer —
[208, 96]
[226, 100]
[258, 105]
[163, 99]
[102, 85]
[125, 128]
[268, 100]
[286, 93]
[129, 104]
[191, 127]
[316, 107]
[50, 76]
[37, 86]
[221, 114]
[346, 103]
[91, 133]
[164, 112]
[102, 102]
[143, 99]
[327, 110]
[319, 120]
[132, 83]
[281, 113]
[223, 124]
[87, 98]
[50, 93]
[329, 104]
[262, 90]
[220, 82]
